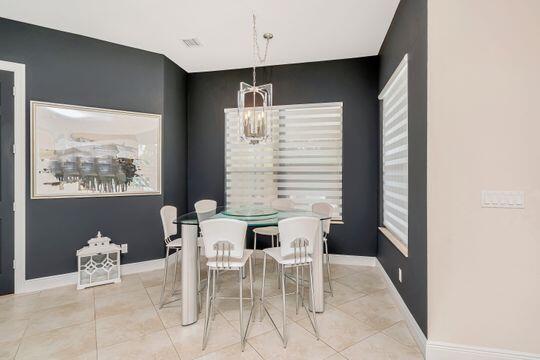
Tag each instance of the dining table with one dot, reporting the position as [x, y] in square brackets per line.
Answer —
[254, 216]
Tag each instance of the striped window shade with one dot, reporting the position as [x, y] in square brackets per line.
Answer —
[303, 162]
[395, 153]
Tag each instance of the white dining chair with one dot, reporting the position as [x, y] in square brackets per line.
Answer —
[168, 215]
[325, 209]
[298, 235]
[283, 204]
[224, 247]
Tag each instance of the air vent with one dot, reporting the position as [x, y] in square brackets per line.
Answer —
[192, 42]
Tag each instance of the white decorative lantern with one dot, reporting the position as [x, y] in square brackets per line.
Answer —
[98, 263]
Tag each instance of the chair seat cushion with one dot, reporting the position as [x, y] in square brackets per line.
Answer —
[275, 253]
[267, 230]
[234, 263]
[176, 243]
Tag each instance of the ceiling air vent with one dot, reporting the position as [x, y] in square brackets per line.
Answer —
[192, 42]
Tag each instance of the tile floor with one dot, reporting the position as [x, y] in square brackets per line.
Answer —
[123, 321]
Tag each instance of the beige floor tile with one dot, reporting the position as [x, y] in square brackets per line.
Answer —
[338, 329]
[171, 314]
[257, 327]
[290, 301]
[8, 349]
[367, 280]
[336, 357]
[12, 330]
[128, 283]
[188, 339]
[127, 326]
[155, 278]
[155, 345]
[60, 316]
[381, 347]
[377, 310]
[118, 303]
[11, 333]
[72, 342]
[400, 332]
[301, 345]
[18, 307]
[337, 271]
[342, 294]
[155, 294]
[233, 352]
[65, 295]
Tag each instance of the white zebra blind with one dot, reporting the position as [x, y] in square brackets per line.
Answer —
[303, 162]
[395, 153]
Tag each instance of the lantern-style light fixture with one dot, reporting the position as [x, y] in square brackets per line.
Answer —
[98, 263]
[255, 102]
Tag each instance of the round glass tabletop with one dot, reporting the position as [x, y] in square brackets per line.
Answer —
[251, 212]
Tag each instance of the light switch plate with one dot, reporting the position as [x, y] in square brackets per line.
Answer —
[503, 199]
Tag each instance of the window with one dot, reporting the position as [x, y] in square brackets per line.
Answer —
[395, 154]
[303, 161]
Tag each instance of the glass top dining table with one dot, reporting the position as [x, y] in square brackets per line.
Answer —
[255, 217]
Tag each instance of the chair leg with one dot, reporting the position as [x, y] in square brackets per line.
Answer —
[199, 289]
[240, 283]
[313, 301]
[284, 306]
[302, 282]
[177, 253]
[216, 274]
[255, 248]
[297, 288]
[327, 255]
[251, 283]
[164, 279]
[207, 315]
[262, 288]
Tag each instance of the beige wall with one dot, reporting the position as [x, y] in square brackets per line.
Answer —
[483, 133]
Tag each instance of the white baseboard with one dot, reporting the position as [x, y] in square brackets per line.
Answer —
[54, 281]
[446, 351]
[417, 333]
[352, 260]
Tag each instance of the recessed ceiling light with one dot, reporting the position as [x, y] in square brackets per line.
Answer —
[194, 42]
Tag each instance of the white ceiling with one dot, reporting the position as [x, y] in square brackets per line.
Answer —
[304, 30]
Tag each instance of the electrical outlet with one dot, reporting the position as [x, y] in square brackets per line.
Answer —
[400, 275]
[124, 248]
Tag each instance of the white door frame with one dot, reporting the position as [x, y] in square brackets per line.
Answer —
[19, 206]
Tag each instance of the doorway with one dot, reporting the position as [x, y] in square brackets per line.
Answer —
[7, 242]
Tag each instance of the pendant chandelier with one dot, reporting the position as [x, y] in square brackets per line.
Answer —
[255, 102]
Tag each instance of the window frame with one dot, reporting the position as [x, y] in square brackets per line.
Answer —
[393, 237]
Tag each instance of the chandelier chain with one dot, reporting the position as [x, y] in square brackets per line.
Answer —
[257, 51]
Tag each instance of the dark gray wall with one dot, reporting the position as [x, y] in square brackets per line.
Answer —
[353, 81]
[175, 136]
[72, 69]
[408, 34]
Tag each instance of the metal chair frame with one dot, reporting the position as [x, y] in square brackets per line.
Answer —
[223, 263]
[301, 260]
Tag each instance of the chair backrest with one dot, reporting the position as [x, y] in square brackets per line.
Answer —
[324, 209]
[205, 209]
[292, 233]
[217, 233]
[168, 215]
[283, 204]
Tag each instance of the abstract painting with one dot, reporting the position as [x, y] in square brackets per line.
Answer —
[90, 152]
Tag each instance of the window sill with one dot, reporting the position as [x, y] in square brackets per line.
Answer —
[394, 240]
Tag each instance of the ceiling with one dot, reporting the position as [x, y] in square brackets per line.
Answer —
[304, 30]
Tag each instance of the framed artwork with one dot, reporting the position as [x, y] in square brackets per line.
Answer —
[81, 151]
